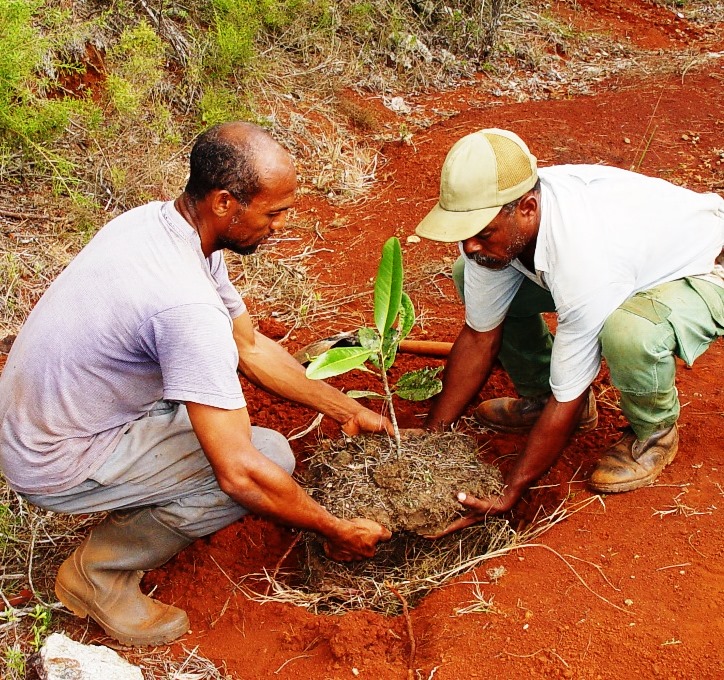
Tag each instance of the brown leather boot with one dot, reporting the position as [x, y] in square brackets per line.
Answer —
[632, 463]
[518, 416]
[100, 579]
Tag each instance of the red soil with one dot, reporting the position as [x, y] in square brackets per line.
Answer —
[619, 591]
[616, 591]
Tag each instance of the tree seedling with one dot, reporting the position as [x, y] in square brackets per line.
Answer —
[394, 317]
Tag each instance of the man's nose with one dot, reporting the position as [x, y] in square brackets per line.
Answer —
[279, 222]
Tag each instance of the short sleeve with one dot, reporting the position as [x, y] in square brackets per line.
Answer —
[488, 294]
[194, 346]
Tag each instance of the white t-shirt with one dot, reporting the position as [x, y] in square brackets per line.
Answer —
[139, 315]
[605, 234]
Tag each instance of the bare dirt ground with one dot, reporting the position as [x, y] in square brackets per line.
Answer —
[632, 586]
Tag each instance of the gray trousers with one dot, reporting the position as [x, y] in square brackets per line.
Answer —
[159, 463]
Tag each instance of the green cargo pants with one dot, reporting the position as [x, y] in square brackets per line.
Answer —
[638, 341]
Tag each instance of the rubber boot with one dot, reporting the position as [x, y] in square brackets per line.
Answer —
[100, 579]
[517, 416]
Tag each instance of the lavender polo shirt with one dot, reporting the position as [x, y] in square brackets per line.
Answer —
[139, 315]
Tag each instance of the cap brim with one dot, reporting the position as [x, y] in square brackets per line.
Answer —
[449, 226]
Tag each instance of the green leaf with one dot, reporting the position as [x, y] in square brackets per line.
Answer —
[337, 361]
[389, 346]
[358, 394]
[369, 338]
[407, 315]
[388, 285]
[419, 385]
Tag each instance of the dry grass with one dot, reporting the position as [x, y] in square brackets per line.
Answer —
[35, 246]
[284, 586]
[281, 287]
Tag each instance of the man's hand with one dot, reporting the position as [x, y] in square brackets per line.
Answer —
[356, 540]
[480, 509]
[366, 420]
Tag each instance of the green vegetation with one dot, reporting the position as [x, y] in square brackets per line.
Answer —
[74, 80]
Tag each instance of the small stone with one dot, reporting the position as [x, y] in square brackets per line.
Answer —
[685, 137]
[355, 672]
[64, 659]
[628, 602]
[626, 140]
[413, 238]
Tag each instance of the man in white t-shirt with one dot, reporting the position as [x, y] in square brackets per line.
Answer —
[121, 391]
[627, 262]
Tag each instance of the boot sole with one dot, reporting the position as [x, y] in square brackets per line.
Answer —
[636, 483]
[78, 608]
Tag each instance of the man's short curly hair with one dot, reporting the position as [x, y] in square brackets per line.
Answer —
[218, 163]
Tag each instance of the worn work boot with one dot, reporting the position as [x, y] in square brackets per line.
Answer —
[100, 579]
[518, 416]
[632, 463]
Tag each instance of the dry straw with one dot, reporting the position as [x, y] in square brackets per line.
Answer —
[284, 587]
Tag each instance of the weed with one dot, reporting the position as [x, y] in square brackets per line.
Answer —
[41, 617]
[15, 662]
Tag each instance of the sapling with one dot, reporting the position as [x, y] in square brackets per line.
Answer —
[394, 317]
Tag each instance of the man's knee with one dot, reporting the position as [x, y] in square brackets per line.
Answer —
[275, 446]
[627, 337]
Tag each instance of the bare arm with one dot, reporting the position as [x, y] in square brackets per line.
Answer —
[547, 439]
[268, 365]
[468, 367]
[264, 488]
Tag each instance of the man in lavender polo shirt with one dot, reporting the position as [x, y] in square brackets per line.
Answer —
[121, 391]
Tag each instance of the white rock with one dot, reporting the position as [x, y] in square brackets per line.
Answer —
[414, 238]
[64, 659]
[397, 104]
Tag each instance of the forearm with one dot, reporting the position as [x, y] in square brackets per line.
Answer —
[267, 490]
[268, 365]
[467, 368]
[547, 439]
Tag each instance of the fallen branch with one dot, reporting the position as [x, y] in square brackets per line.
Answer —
[23, 215]
[410, 632]
[281, 560]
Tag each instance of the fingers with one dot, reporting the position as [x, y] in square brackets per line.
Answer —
[479, 510]
[458, 524]
[359, 542]
[367, 420]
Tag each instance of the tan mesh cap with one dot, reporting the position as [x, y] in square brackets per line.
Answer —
[482, 172]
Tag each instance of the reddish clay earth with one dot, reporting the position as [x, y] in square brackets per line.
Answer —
[619, 590]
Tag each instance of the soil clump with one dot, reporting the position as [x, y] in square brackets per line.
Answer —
[413, 493]
[411, 490]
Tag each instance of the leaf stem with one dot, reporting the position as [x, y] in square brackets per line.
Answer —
[388, 396]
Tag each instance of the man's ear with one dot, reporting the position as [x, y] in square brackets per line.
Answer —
[528, 204]
[221, 202]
